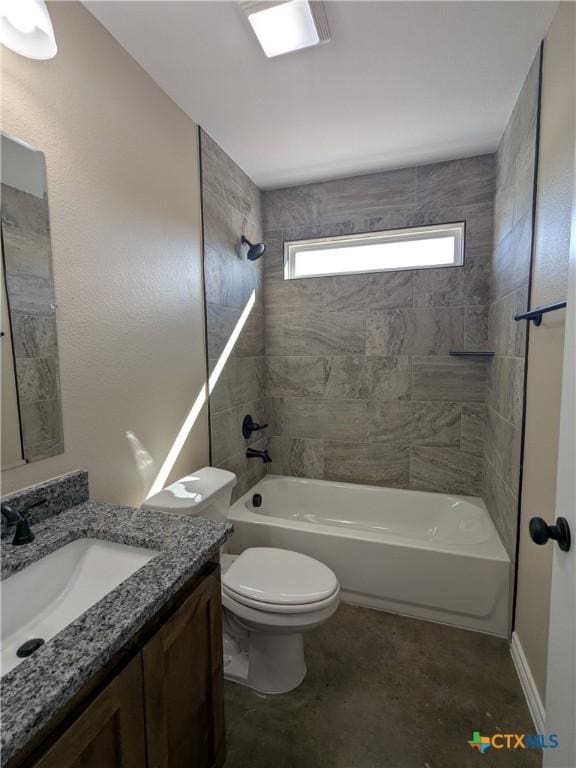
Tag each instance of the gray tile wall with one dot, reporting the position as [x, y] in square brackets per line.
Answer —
[232, 206]
[30, 289]
[511, 262]
[360, 383]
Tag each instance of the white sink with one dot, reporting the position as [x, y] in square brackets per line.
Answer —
[42, 599]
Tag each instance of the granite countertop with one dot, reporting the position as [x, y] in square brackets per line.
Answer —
[37, 688]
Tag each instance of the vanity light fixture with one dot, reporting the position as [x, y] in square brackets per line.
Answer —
[26, 28]
[287, 25]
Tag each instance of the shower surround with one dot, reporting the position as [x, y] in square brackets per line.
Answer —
[361, 385]
[231, 207]
[353, 373]
[511, 265]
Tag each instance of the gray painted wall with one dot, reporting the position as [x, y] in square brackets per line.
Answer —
[358, 374]
[511, 262]
[231, 206]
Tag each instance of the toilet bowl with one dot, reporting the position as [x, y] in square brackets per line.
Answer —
[270, 596]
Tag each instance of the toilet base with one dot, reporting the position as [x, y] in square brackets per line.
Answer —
[267, 663]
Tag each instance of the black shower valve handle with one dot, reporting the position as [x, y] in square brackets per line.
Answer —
[249, 426]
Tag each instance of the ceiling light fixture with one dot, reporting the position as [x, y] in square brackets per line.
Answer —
[288, 25]
[25, 28]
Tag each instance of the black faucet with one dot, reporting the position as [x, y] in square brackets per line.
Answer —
[252, 453]
[23, 533]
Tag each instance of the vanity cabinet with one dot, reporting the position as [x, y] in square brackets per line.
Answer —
[183, 685]
[110, 732]
[163, 709]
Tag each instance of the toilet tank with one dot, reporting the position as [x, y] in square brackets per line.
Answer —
[205, 493]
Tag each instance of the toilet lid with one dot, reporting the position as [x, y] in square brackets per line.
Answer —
[279, 576]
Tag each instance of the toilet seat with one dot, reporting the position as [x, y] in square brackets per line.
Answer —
[279, 581]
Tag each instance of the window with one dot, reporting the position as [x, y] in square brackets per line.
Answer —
[415, 248]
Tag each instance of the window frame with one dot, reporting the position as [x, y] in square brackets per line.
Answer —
[432, 231]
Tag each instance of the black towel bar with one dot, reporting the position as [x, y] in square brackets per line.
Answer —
[536, 314]
[465, 353]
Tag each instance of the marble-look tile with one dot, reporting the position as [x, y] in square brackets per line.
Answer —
[37, 379]
[251, 341]
[512, 259]
[524, 180]
[274, 333]
[248, 471]
[436, 424]
[296, 457]
[41, 422]
[371, 463]
[226, 437]
[44, 450]
[505, 388]
[469, 181]
[410, 423]
[29, 293]
[525, 113]
[381, 220]
[297, 376]
[378, 290]
[446, 470]
[220, 323]
[473, 427]
[229, 277]
[273, 262]
[241, 381]
[502, 505]
[349, 196]
[479, 229]
[503, 208]
[222, 177]
[389, 378]
[274, 410]
[415, 331]
[26, 233]
[346, 377]
[390, 422]
[323, 333]
[476, 328]
[477, 278]
[34, 335]
[335, 420]
[440, 287]
[454, 379]
[348, 225]
[295, 295]
[289, 207]
[502, 443]
[507, 336]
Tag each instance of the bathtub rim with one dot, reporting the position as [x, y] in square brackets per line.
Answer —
[493, 549]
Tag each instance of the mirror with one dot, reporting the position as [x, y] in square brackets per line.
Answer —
[31, 403]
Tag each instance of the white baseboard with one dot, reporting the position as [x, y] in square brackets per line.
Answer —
[533, 699]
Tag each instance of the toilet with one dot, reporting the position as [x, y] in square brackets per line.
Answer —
[270, 596]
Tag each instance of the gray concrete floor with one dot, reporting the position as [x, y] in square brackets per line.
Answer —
[384, 691]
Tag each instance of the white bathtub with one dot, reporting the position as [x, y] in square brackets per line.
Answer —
[428, 555]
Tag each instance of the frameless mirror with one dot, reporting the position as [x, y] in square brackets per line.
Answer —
[31, 404]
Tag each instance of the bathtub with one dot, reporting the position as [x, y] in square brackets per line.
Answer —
[428, 555]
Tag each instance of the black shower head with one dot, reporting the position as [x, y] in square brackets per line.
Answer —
[254, 250]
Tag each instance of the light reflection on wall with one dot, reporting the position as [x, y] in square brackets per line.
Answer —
[199, 402]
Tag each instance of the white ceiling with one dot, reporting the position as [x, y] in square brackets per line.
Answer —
[400, 83]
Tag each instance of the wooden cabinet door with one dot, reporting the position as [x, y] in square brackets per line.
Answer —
[183, 684]
[110, 732]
